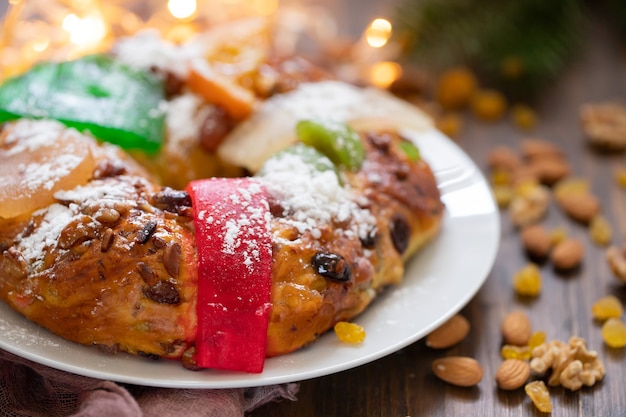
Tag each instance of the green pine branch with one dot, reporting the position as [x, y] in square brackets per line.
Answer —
[518, 45]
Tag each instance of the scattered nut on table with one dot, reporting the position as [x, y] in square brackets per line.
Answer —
[572, 364]
[568, 254]
[449, 334]
[604, 125]
[582, 207]
[516, 328]
[512, 374]
[462, 371]
[537, 241]
[529, 205]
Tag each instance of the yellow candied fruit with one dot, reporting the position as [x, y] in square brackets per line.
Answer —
[450, 124]
[606, 308]
[536, 339]
[349, 332]
[557, 235]
[600, 230]
[523, 117]
[614, 333]
[539, 395]
[455, 88]
[503, 195]
[489, 105]
[527, 281]
[515, 352]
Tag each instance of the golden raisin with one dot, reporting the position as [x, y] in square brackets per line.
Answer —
[455, 88]
[515, 352]
[614, 333]
[489, 105]
[558, 235]
[620, 177]
[501, 177]
[349, 332]
[527, 281]
[503, 195]
[606, 308]
[523, 117]
[526, 187]
[600, 230]
[539, 395]
[450, 125]
[537, 338]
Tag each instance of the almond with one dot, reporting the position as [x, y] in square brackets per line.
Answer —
[581, 207]
[462, 371]
[516, 328]
[449, 334]
[512, 374]
[568, 254]
[550, 169]
[503, 158]
[537, 241]
[537, 148]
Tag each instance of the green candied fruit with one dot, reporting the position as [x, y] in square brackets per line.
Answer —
[307, 154]
[410, 150]
[340, 143]
[95, 93]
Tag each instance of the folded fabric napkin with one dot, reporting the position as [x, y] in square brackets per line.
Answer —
[34, 390]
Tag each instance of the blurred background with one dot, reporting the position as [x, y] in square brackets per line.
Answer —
[493, 58]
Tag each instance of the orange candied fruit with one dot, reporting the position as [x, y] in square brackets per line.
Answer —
[349, 332]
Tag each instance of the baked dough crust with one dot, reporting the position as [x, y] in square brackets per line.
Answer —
[117, 268]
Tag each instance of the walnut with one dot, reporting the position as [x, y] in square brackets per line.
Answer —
[572, 364]
[604, 125]
[529, 205]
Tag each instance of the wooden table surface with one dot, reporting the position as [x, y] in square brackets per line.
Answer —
[403, 384]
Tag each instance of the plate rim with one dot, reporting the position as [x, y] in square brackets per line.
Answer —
[241, 380]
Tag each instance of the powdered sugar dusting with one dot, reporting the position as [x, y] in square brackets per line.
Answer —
[37, 176]
[312, 198]
[148, 50]
[238, 216]
[30, 135]
[100, 191]
[55, 218]
[242, 229]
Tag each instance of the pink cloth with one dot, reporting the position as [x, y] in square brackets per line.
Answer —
[28, 389]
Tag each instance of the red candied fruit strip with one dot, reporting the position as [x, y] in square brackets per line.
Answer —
[234, 272]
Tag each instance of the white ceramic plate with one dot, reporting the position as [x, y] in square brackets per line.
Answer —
[439, 282]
